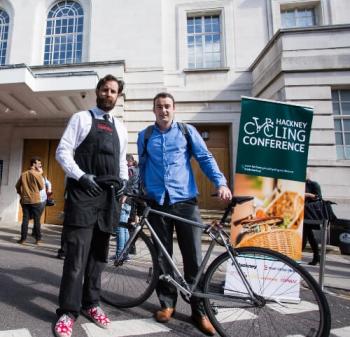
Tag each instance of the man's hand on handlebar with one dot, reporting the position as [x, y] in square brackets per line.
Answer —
[224, 193]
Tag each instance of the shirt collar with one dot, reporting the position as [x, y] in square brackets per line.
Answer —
[99, 113]
[173, 124]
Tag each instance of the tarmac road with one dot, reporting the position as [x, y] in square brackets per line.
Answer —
[29, 282]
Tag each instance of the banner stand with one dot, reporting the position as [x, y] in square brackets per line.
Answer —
[324, 229]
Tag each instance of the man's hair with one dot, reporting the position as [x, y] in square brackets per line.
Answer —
[108, 78]
[163, 95]
[34, 160]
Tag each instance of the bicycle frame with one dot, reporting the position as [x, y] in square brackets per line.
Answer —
[183, 286]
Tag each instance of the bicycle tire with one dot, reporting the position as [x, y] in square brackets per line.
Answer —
[132, 282]
[309, 315]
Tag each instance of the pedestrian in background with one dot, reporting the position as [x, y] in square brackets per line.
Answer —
[45, 193]
[128, 209]
[312, 193]
[133, 187]
[28, 186]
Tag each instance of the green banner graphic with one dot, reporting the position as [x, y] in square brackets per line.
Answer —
[273, 139]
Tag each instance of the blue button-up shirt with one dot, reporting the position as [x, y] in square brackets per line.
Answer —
[166, 166]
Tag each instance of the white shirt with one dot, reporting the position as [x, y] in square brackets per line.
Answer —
[76, 131]
[45, 190]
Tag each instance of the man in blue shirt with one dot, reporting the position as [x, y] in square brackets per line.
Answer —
[167, 178]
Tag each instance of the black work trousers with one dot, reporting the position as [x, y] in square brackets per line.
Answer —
[189, 239]
[308, 235]
[34, 210]
[86, 255]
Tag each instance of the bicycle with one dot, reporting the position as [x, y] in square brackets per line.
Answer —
[246, 291]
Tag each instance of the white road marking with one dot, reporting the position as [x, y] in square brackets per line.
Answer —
[234, 314]
[15, 333]
[293, 308]
[341, 332]
[131, 327]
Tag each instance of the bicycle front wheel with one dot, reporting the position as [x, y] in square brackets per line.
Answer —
[131, 282]
[290, 301]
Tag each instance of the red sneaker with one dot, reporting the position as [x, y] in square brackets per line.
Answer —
[64, 326]
[97, 315]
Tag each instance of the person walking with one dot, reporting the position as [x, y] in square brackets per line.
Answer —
[165, 150]
[92, 153]
[28, 186]
[133, 185]
[44, 194]
[128, 209]
[312, 193]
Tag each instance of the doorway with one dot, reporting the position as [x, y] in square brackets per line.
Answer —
[46, 149]
[216, 138]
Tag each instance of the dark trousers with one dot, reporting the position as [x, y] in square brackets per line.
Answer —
[189, 239]
[86, 256]
[37, 226]
[34, 210]
[308, 235]
[62, 249]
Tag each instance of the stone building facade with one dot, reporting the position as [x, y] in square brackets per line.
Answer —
[206, 53]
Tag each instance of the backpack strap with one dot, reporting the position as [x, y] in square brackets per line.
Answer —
[184, 129]
[146, 137]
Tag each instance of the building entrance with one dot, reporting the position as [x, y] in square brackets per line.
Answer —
[217, 140]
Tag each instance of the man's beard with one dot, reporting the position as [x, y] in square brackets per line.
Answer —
[105, 104]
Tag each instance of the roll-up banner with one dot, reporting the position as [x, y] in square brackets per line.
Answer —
[271, 166]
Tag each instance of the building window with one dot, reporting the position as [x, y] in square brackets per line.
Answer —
[4, 32]
[298, 17]
[204, 41]
[341, 114]
[64, 33]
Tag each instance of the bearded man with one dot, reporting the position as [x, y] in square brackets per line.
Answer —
[92, 153]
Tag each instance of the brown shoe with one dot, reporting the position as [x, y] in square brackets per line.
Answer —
[38, 242]
[164, 315]
[21, 242]
[203, 324]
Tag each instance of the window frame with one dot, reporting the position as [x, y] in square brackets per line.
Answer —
[296, 11]
[277, 6]
[202, 15]
[53, 39]
[4, 29]
[221, 7]
[342, 150]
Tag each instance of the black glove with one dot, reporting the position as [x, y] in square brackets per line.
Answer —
[119, 192]
[88, 183]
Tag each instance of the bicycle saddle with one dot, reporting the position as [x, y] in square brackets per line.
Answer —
[241, 199]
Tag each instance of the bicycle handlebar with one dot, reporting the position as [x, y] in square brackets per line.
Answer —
[236, 200]
[318, 198]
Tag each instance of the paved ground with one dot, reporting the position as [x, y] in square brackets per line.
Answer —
[30, 276]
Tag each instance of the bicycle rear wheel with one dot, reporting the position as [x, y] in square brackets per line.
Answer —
[133, 281]
[292, 303]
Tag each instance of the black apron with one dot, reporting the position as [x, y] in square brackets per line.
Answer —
[98, 154]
